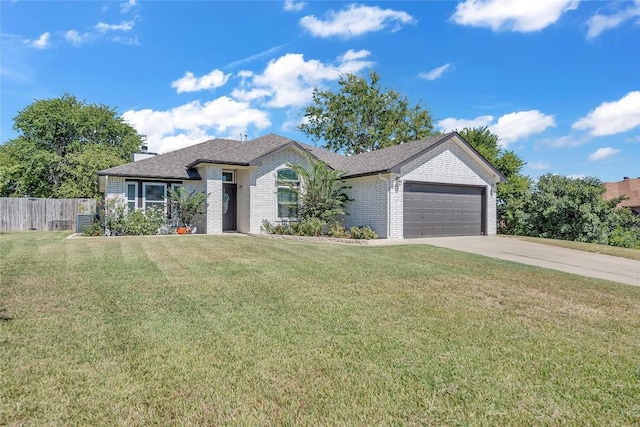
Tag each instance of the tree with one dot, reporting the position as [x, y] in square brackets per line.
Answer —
[187, 205]
[511, 194]
[62, 143]
[321, 191]
[573, 209]
[362, 117]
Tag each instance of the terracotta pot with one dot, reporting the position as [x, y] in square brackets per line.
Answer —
[182, 230]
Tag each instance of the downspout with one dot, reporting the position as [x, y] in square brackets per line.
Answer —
[388, 182]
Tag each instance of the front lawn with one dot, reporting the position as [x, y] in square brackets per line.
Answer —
[206, 330]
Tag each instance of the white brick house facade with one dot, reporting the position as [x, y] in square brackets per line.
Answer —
[377, 180]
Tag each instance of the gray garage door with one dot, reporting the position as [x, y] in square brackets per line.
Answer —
[442, 210]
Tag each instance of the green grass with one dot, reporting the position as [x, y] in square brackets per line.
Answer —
[204, 330]
[580, 246]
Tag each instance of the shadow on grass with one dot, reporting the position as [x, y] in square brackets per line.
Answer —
[4, 316]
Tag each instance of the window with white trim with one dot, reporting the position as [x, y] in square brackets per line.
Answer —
[228, 177]
[154, 194]
[287, 197]
[132, 195]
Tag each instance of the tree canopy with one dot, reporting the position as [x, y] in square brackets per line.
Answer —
[361, 116]
[62, 143]
[566, 208]
[511, 194]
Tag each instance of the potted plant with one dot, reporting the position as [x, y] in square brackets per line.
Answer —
[186, 206]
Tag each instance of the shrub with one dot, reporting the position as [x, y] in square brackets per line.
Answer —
[94, 229]
[338, 231]
[139, 223]
[625, 238]
[187, 205]
[282, 229]
[364, 232]
[310, 227]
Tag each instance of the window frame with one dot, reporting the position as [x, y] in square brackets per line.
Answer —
[286, 184]
[135, 199]
[233, 176]
[155, 202]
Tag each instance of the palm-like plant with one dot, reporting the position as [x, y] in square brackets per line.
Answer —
[187, 205]
[321, 191]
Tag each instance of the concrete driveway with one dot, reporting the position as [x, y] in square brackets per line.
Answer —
[587, 264]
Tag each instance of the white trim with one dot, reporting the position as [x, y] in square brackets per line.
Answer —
[144, 193]
[233, 176]
[283, 183]
[126, 193]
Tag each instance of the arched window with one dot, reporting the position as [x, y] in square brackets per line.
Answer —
[287, 197]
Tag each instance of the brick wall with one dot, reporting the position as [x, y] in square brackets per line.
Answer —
[369, 204]
[263, 187]
[212, 175]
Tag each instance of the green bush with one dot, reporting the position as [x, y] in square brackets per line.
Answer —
[139, 223]
[624, 238]
[364, 232]
[94, 229]
[337, 230]
[288, 229]
[310, 227]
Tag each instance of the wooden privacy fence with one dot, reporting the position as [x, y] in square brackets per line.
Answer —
[22, 214]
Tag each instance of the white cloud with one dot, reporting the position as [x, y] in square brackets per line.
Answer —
[603, 153]
[612, 117]
[191, 83]
[513, 15]
[451, 124]
[76, 38]
[509, 127]
[514, 126]
[41, 42]
[289, 80]
[352, 55]
[355, 21]
[293, 6]
[436, 73]
[577, 176]
[195, 122]
[123, 26]
[127, 6]
[538, 165]
[571, 140]
[599, 23]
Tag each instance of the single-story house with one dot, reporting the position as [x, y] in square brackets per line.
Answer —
[629, 187]
[439, 186]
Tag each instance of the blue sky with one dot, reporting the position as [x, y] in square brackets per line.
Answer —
[557, 80]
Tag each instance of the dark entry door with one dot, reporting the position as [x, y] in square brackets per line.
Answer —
[442, 210]
[228, 207]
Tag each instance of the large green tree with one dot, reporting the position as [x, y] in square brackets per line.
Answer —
[512, 194]
[61, 144]
[361, 116]
[573, 209]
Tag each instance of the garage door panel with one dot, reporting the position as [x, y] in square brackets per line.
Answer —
[442, 210]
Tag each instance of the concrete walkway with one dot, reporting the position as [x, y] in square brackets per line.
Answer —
[587, 264]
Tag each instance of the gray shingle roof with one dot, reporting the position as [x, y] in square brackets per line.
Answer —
[180, 164]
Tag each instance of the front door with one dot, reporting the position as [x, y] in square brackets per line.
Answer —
[228, 207]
